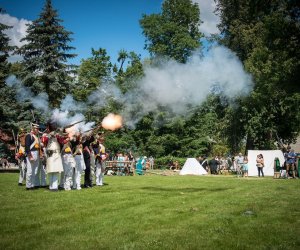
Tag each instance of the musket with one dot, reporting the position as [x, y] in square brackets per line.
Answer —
[15, 140]
[71, 125]
[92, 129]
[32, 112]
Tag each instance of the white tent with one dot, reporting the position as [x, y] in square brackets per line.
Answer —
[193, 167]
[269, 156]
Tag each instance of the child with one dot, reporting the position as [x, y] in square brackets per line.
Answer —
[245, 167]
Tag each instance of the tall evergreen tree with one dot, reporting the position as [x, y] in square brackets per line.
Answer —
[45, 56]
[175, 32]
[6, 93]
[5, 49]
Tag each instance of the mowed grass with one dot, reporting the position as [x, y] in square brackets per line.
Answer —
[154, 212]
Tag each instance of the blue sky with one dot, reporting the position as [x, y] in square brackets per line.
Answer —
[109, 24]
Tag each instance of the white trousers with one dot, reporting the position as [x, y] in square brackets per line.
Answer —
[22, 168]
[40, 176]
[99, 173]
[79, 168]
[32, 166]
[62, 179]
[93, 168]
[69, 165]
[53, 181]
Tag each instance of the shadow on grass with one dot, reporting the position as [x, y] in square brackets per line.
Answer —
[188, 190]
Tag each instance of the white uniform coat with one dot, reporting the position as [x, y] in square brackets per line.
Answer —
[54, 162]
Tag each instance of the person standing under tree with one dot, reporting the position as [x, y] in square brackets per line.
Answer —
[245, 167]
[151, 160]
[291, 163]
[260, 164]
[239, 164]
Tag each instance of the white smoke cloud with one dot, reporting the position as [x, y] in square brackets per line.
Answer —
[16, 33]
[69, 104]
[207, 15]
[65, 118]
[102, 95]
[67, 114]
[177, 86]
[40, 101]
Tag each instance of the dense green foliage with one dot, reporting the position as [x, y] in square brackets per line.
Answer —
[175, 32]
[153, 212]
[45, 56]
[127, 79]
[92, 72]
[6, 91]
[265, 35]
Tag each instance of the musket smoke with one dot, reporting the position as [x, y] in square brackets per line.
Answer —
[176, 86]
[40, 101]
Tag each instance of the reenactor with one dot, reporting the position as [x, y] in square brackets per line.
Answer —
[87, 160]
[54, 164]
[79, 166]
[100, 161]
[41, 174]
[68, 163]
[20, 156]
[32, 148]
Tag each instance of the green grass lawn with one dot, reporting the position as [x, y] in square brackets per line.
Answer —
[153, 212]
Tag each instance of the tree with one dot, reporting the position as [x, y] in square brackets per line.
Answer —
[45, 56]
[123, 55]
[175, 32]
[127, 79]
[5, 49]
[93, 72]
[7, 95]
[10, 110]
[266, 37]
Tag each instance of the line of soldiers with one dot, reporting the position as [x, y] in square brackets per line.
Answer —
[61, 158]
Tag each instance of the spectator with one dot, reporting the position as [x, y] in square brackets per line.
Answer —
[213, 165]
[245, 167]
[176, 165]
[148, 164]
[291, 163]
[204, 163]
[151, 160]
[260, 164]
[239, 163]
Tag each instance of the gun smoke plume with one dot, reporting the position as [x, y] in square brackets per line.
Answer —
[173, 86]
[176, 86]
[68, 113]
[40, 101]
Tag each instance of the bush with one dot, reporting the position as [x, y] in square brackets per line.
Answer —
[165, 161]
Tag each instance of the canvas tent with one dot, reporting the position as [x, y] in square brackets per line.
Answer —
[269, 156]
[193, 167]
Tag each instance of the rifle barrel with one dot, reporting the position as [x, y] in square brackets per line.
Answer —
[71, 125]
[14, 140]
